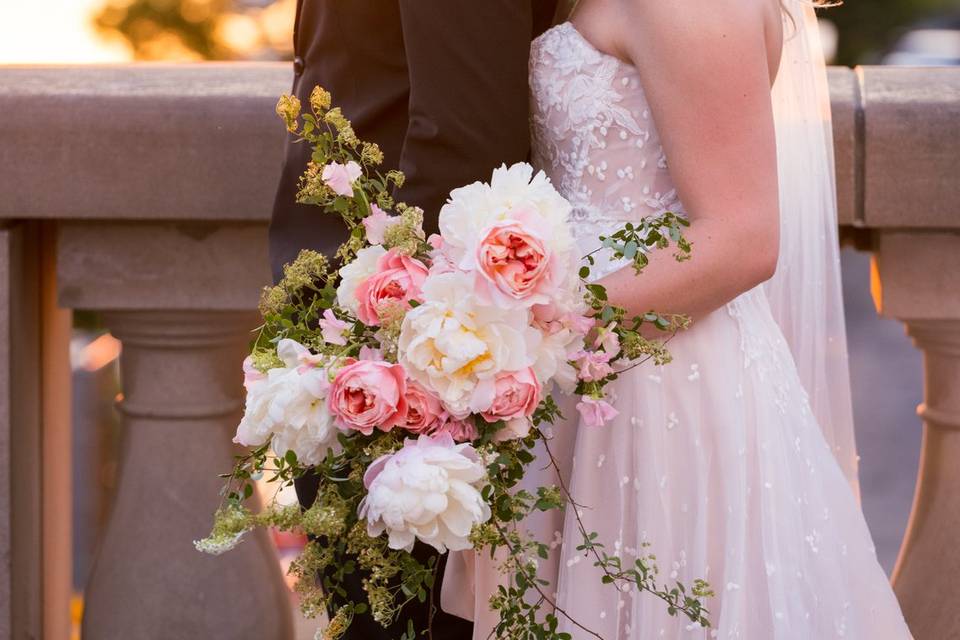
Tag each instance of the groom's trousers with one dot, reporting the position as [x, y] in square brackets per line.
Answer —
[441, 86]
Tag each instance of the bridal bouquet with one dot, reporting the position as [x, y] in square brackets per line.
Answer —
[413, 376]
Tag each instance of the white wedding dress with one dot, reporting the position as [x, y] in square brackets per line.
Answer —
[736, 461]
[717, 459]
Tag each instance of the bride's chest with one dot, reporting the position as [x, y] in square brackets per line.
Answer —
[589, 115]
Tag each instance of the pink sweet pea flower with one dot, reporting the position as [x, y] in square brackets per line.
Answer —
[608, 339]
[340, 177]
[581, 324]
[397, 281]
[596, 412]
[367, 395]
[593, 365]
[369, 353]
[377, 224]
[436, 241]
[333, 329]
[440, 262]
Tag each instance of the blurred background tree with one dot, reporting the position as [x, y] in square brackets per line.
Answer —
[201, 29]
[868, 28]
[262, 29]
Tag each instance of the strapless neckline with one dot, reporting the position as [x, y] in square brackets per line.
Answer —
[571, 29]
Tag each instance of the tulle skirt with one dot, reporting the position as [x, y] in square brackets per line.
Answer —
[717, 466]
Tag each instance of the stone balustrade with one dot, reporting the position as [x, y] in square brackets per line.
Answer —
[143, 192]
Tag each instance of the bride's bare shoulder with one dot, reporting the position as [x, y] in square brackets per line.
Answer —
[693, 27]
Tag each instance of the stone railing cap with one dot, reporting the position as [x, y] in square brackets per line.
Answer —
[201, 142]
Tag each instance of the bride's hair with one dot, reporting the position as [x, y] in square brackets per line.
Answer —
[816, 3]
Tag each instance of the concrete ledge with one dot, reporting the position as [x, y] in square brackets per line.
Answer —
[187, 142]
[911, 138]
[201, 142]
[845, 99]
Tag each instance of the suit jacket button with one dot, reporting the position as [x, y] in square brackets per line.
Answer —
[298, 66]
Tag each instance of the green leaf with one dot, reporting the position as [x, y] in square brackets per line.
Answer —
[599, 291]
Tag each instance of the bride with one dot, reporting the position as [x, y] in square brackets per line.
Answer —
[735, 462]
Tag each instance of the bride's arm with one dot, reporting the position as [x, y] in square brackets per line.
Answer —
[705, 73]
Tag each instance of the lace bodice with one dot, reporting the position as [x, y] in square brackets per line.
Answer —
[593, 135]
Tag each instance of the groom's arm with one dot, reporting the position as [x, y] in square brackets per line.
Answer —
[468, 109]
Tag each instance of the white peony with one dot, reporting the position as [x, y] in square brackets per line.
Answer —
[451, 342]
[428, 490]
[354, 273]
[475, 207]
[553, 358]
[289, 407]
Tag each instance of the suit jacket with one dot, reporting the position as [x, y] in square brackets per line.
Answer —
[440, 85]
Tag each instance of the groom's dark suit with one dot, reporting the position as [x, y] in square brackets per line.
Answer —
[441, 86]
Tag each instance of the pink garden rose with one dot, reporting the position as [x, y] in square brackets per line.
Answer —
[593, 365]
[377, 223]
[398, 280]
[367, 394]
[333, 329]
[340, 177]
[461, 430]
[516, 395]
[596, 412]
[424, 410]
[514, 260]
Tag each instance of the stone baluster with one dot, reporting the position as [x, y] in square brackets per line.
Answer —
[917, 275]
[182, 400]
[184, 324]
[929, 561]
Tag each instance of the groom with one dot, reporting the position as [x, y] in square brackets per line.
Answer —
[441, 86]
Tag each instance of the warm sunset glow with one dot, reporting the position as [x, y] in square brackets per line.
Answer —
[63, 32]
[97, 354]
[55, 31]
[239, 32]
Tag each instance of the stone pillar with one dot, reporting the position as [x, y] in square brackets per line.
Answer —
[21, 445]
[182, 401]
[929, 561]
[181, 299]
[917, 275]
